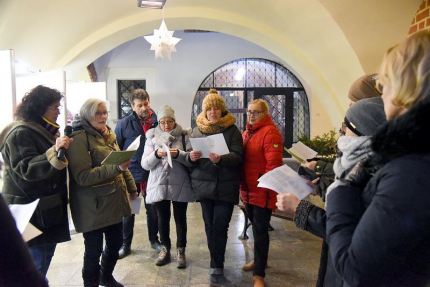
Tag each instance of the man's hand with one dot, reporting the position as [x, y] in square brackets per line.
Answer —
[214, 157]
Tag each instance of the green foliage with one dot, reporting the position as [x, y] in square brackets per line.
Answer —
[324, 144]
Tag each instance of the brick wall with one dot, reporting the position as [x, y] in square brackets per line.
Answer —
[421, 20]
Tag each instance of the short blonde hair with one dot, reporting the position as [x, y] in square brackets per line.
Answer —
[89, 109]
[406, 69]
[262, 104]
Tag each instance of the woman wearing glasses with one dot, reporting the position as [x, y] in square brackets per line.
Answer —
[168, 184]
[262, 152]
[99, 193]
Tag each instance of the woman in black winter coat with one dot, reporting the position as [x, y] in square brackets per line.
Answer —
[378, 230]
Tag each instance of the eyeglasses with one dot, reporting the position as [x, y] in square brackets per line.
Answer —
[168, 122]
[253, 113]
[104, 113]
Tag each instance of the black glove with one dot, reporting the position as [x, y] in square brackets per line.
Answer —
[359, 174]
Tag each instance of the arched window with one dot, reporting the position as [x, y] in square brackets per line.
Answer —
[243, 80]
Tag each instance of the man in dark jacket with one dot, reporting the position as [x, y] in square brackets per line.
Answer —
[127, 130]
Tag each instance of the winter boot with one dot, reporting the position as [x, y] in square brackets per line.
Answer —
[163, 257]
[180, 257]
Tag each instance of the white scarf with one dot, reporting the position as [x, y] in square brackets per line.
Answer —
[353, 150]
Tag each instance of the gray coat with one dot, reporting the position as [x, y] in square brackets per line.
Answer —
[165, 182]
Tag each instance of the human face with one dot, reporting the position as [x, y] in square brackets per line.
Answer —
[52, 112]
[141, 107]
[167, 124]
[391, 110]
[255, 113]
[213, 114]
[100, 119]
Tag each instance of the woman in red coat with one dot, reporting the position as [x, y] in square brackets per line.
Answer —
[262, 152]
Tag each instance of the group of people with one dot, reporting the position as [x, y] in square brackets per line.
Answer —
[375, 227]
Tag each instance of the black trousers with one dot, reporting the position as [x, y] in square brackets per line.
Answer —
[93, 241]
[217, 216]
[180, 215]
[151, 222]
[260, 219]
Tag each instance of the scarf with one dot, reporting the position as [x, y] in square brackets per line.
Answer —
[206, 127]
[352, 149]
[167, 138]
[52, 128]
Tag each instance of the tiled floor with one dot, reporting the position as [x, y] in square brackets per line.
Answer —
[293, 257]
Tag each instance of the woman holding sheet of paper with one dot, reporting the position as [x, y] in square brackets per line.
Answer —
[216, 179]
[169, 182]
[262, 153]
[98, 193]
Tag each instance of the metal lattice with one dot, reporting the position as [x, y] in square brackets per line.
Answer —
[241, 81]
[125, 88]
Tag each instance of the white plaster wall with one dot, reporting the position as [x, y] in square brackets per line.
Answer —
[174, 81]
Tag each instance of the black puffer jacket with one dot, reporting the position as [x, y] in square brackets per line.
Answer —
[381, 236]
[220, 181]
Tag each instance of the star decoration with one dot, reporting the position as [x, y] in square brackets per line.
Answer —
[162, 41]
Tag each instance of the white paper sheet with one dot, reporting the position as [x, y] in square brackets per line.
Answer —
[135, 144]
[214, 143]
[284, 179]
[135, 205]
[169, 156]
[22, 214]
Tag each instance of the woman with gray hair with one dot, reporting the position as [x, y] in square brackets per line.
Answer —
[98, 193]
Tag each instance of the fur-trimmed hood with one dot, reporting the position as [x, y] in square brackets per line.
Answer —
[407, 134]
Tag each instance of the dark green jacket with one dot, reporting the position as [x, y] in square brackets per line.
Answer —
[32, 170]
[219, 181]
[98, 193]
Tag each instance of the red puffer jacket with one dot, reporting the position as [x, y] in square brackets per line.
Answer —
[262, 152]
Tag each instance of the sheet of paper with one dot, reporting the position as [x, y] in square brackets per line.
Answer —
[135, 205]
[22, 214]
[214, 143]
[301, 151]
[135, 144]
[30, 232]
[284, 179]
[169, 156]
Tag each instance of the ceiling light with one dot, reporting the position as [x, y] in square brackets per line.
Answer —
[155, 4]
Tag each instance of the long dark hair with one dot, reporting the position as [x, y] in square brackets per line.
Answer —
[36, 102]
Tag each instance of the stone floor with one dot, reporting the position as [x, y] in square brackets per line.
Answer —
[293, 257]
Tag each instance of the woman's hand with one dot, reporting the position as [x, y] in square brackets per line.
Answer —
[195, 155]
[132, 195]
[123, 166]
[310, 164]
[214, 157]
[63, 142]
[161, 153]
[287, 202]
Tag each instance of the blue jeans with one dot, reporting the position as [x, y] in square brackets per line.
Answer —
[42, 256]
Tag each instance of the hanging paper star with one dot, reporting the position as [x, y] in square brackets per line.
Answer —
[162, 41]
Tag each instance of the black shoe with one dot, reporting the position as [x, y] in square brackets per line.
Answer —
[124, 251]
[156, 245]
[218, 280]
[180, 257]
[109, 281]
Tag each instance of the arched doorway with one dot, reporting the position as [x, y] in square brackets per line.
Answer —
[243, 80]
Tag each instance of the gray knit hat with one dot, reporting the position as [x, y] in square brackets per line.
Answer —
[365, 116]
[166, 112]
[363, 88]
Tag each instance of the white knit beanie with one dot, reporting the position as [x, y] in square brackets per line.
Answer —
[166, 112]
